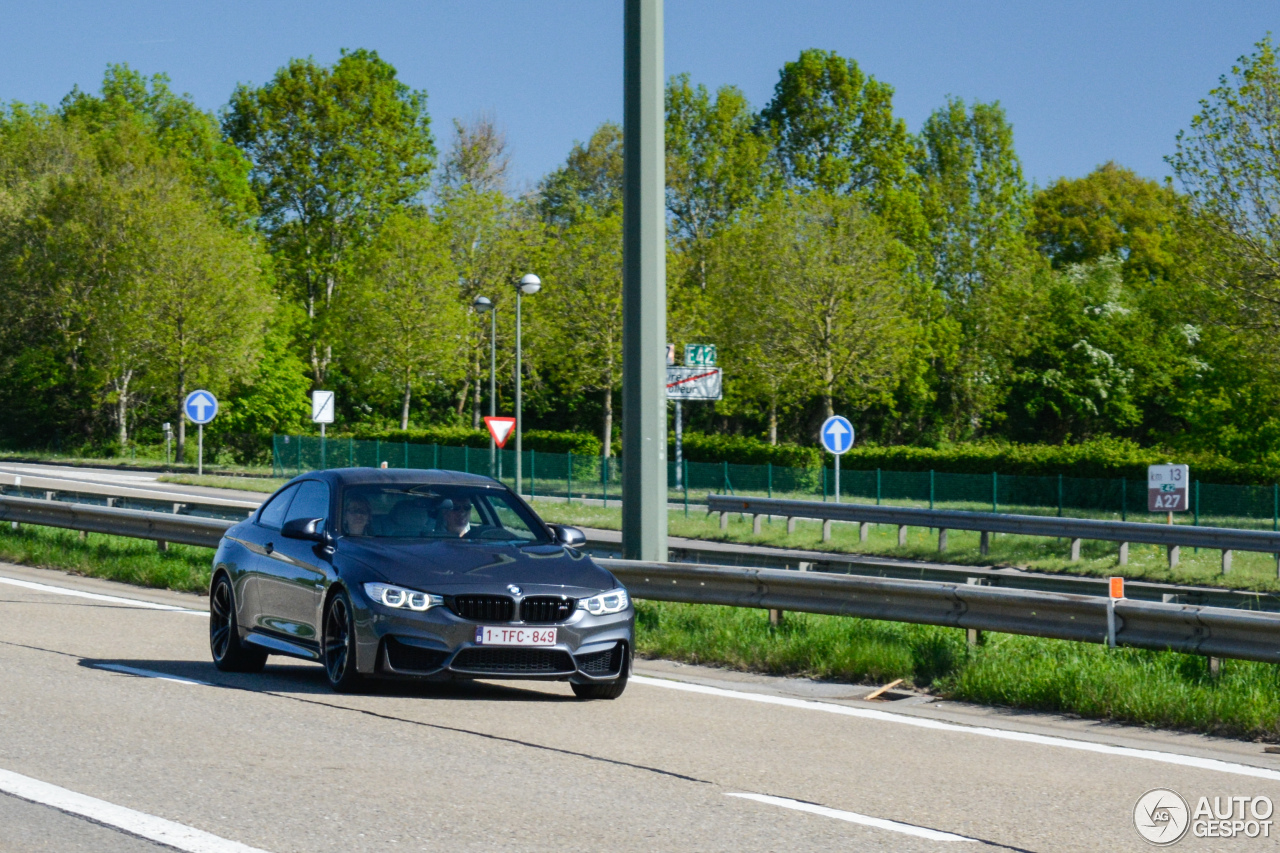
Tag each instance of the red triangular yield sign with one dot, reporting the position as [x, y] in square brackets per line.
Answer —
[500, 429]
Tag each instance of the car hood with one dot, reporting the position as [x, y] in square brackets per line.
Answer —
[447, 566]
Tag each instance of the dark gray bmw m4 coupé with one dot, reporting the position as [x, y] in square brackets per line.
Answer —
[424, 574]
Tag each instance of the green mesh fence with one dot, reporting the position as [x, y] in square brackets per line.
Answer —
[574, 477]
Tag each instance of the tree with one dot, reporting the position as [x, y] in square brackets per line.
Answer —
[834, 129]
[582, 311]
[1229, 163]
[206, 299]
[335, 151]
[834, 290]
[975, 203]
[590, 181]
[490, 237]
[401, 312]
[1109, 212]
[716, 164]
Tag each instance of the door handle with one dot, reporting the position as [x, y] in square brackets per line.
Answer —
[269, 547]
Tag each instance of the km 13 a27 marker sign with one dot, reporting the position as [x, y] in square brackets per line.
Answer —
[1167, 488]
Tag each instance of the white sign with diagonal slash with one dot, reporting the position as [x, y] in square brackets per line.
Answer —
[693, 383]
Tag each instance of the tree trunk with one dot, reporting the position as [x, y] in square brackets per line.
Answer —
[607, 434]
[404, 408]
[122, 407]
[828, 374]
[462, 398]
[773, 419]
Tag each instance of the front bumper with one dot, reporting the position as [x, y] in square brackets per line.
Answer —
[440, 645]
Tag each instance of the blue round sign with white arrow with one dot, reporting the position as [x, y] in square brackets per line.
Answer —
[200, 406]
[836, 434]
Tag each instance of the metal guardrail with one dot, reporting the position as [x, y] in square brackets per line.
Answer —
[1213, 631]
[1210, 631]
[1171, 536]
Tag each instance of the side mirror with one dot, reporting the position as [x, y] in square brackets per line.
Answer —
[568, 536]
[310, 529]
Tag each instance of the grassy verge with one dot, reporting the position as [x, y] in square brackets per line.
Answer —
[1099, 559]
[117, 558]
[244, 484]
[1161, 689]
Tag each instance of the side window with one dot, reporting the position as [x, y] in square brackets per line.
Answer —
[312, 501]
[272, 514]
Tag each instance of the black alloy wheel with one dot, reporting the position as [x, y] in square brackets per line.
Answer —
[229, 654]
[340, 645]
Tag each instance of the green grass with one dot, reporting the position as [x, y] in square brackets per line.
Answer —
[244, 484]
[1149, 688]
[1162, 689]
[1099, 559]
[117, 558]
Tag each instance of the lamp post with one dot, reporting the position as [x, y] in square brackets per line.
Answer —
[529, 284]
[482, 304]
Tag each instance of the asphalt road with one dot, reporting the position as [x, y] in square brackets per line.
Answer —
[277, 762]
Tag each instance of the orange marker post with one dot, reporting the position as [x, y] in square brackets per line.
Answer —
[1116, 592]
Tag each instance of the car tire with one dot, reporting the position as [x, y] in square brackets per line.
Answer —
[229, 654]
[339, 645]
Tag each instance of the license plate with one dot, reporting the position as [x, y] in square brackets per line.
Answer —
[515, 636]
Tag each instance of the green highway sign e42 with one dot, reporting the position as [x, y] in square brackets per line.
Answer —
[700, 355]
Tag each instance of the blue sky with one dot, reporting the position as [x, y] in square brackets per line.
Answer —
[1082, 82]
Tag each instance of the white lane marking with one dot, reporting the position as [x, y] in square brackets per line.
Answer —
[982, 731]
[854, 817]
[138, 823]
[93, 596]
[150, 673]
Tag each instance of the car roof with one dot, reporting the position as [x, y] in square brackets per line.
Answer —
[374, 476]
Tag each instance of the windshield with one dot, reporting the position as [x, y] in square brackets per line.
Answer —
[417, 511]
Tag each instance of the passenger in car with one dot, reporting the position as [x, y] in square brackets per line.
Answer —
[356, 517]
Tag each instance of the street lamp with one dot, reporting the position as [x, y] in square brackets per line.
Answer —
[528, 285]
[482, 304]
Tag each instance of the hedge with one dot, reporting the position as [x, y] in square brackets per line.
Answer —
[541, 440]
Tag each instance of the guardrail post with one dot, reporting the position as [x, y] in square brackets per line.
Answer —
[974, 637]
[902, 535]
[162, 545]
[791, 524]
[863, 529]
[1124, 554]
[1215, 667]
[984, 543]
[1075, 550]
[49, 495]
[942, 539]
[775, 618]
[1226, 561]
[1174, 551]
[755, 524]
[724, 521]
[826, 530]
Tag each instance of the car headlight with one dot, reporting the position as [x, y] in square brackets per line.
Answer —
[606, 602]
[398, 596]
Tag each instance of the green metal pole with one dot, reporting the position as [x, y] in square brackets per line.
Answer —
[995, 492]
[1275, 507]
[298, 439]
[930, 488]
[351, 452]
[406, 454]
[377, 452]
[1124, 498]
[533, 473]
[569, 489]
[770, 467]
[466, 459]
[1197, 521]
[724, 489]
[877, 487]
[644, 277]
[1059, 496]
[435, 456]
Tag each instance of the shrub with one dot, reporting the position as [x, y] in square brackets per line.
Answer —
[543, 441]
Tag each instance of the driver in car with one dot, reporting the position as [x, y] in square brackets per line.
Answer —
[455, 517]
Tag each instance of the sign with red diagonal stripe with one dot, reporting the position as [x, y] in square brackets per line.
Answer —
[500, 429]
[693, 383]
